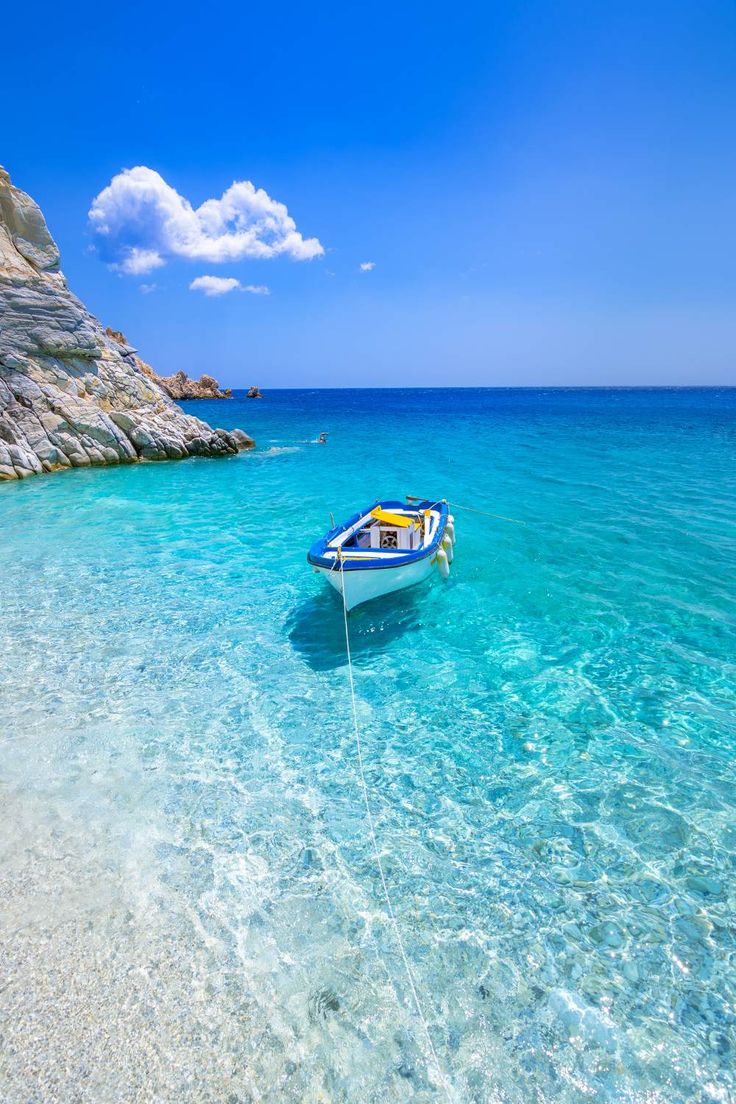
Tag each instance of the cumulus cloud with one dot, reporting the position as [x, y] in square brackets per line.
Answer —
[139, 222]
[136, 261]
[367, 266]
[221, 285]
[214, 285]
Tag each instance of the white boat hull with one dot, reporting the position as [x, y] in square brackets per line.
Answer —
[387, 547]
[362, 586]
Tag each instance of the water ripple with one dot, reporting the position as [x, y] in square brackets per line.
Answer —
[192, 910]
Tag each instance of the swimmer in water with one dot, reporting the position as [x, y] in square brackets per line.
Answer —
[321, 440]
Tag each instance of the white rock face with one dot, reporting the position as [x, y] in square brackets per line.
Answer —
[71, 396]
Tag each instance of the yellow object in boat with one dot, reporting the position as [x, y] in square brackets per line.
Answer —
[393, 519]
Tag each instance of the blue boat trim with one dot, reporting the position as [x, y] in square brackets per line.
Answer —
[317, 553]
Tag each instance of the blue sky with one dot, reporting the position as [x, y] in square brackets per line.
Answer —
[546, 190]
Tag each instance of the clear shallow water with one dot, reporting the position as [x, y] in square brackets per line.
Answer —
[190, 906]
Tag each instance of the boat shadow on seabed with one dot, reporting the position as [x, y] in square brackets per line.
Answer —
[316, 628]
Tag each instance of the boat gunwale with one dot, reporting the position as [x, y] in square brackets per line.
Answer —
[317, 558]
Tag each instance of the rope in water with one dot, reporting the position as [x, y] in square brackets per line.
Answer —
[470, 509]
[376, 853]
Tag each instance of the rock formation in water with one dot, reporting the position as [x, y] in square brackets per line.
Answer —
[254, 393]
[179, 386]
[71, 395]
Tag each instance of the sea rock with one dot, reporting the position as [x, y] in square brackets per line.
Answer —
[72, 394]
[254, 393]
[242, 438]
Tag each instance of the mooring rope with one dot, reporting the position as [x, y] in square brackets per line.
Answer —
[470, 509]
[371, 827]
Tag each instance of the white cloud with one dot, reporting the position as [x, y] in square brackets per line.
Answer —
[214, 285]
[367, 266]
[136, 261]
[222, 285]
[139, 222]
[146, 289]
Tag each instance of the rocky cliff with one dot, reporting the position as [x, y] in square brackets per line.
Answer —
[180, 385]
[70, 394]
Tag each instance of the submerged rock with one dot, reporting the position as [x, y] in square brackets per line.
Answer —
[72, 395]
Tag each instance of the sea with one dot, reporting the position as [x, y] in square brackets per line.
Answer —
[190, 904]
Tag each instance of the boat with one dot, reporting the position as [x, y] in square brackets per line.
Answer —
[387, 547]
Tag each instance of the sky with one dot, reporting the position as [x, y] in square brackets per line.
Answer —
[413, 194]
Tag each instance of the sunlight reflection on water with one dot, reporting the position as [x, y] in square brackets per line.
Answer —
[192, 910]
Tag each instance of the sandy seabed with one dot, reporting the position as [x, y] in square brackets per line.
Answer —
[99, 1003]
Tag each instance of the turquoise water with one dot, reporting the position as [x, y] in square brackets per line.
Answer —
[191, 906]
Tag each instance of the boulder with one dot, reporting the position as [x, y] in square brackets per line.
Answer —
[243, 439]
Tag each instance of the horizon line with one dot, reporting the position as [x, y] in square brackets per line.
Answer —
[506, 387]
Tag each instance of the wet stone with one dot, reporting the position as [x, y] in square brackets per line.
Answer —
[606, 934]
[705, 886]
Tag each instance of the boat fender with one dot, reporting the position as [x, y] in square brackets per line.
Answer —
[450, 528]
[447, 545]
[443, 563]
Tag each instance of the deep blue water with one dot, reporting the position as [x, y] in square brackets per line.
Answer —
[194, 910]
